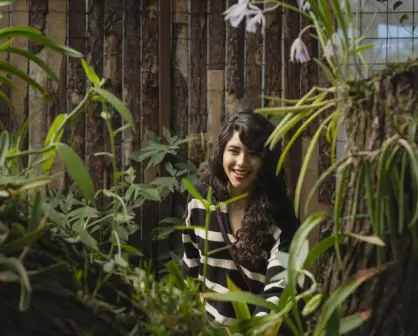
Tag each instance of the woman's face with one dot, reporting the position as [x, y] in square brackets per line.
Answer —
[240, 165]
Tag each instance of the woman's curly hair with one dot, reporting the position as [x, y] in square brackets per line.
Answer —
[269, 204]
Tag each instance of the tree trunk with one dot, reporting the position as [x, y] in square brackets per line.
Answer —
[374, 111]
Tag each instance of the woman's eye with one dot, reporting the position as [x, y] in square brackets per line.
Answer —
[233, 151]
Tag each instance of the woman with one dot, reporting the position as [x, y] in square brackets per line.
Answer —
[258, 228]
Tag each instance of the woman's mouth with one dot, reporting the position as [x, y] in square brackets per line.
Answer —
[240, 174]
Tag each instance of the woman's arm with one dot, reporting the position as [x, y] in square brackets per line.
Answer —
[191, 256]
[276, 276]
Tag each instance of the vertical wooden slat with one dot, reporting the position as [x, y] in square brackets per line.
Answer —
[131, 68]
[6, 112]
[96, 139]
[149, 100]
[164, 50]
[235, 66]
[56, 27]
[131, 87]
[253, 62]
[273, 57]
[112, 64]
[197, 74]
[76, 76]
[38, 11]
[291, 89]
[180, 93]
[180, 52]
[20, 17]
[216, 69]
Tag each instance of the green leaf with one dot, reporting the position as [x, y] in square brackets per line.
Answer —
[35, 60]
[174, 270]
[324, 245]
[77, 170]
[374, 240]
[312, 304]
[151, 194]
[6, 99]
[4, 147]
[397, 4]
[131, 250]
[7, 67]
[333, 325]
[36, 213]
[194, 192]
[242, 312]
[88, 240]
[160, 233]
[56, 125]
[35, 35]
[118, 105]
[8, 82]
[244, 297]
[91, 74]
[338, 296]
[27, 240]
[353, 321]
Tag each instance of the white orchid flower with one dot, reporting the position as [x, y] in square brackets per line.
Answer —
[304, 5]
[334, 47]
[299, 52]
[244, 9]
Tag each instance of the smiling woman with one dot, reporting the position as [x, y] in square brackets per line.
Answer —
[258, 228]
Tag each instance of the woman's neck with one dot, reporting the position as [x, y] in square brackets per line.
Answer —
[234, 192]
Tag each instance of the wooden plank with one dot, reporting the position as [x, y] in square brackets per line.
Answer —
[253, 69]
[6, 113]
[76, 76]
[216, 69]
[291, 89]
[180, 93]
[273, 57]
[180, 69]
[56, 27]
[197, 75]
[131, 87]
[149, 104]
[112, 66]
[20, 17]
[235, 38]
[38, 125]
[96, 138]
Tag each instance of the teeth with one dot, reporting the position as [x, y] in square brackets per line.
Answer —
[241, 173]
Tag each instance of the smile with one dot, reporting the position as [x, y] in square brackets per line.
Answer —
[241, 174]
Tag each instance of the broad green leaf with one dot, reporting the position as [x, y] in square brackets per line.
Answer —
[242, 312]
[91, 74]
[338, 296]
[117, 104]
[35, 60]
[55, 126]
[109, 266]
[244, 297]
[333, 325]
[77, 170]
[353, 321]
[160, 233]
[33, 183]
[36, 213]
[151, 194]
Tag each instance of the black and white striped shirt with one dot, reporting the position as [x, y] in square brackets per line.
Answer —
[220, 263]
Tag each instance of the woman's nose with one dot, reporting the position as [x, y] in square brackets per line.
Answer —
[241, 160]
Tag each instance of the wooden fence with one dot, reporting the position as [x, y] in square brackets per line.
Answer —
[176, 63]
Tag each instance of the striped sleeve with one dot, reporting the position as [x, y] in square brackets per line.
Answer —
[276, 276]
[191, 256]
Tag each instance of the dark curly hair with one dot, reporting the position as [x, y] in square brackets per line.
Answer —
[269, 203]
